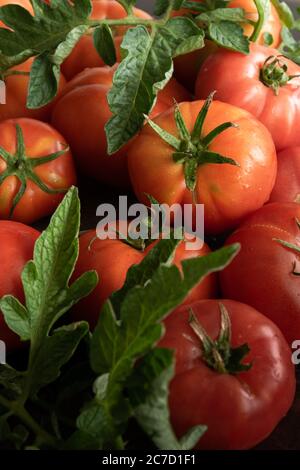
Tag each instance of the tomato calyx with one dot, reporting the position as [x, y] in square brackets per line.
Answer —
[274, 74]
[218, 354]
[155, 212]
[139, 244]
[22, 167]
[292, 247]
[192, 149]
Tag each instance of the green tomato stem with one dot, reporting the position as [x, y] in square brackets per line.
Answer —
[17, 408]
[260, 22]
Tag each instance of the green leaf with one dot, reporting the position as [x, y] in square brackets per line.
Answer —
[81, 440]
[56, 351]
[229, 35]
[115, 345]
[45, 71]
[46, 278]
[48, 295]
[223, 14]
[4, 428]
[285, 13]
[268, 39]
[11, 380]
[43, 84]
[138, 275]
[50, 35]
[102, 420]
[148, 388]
[177, 4]
[190, 44]
[290, 47]
[145, 70]
[104, 44]
[16, 316]
[161, 7]
[44, 31]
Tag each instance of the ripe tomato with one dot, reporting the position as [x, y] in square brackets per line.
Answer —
[265, 272]
[96, 254]
[29, 188]
[16, 248]
[287, 186]
[84, 55]
[240, 408]
[16, 96]
[187, 66]
[228, 192]
[23, 3]
[259, 83]
[81, 114]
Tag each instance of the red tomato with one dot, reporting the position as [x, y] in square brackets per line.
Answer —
[96, 254]
[23, 3]
[40, 140]
[187, 66]
[16, 248]
[16, 96]
[287, 186]
[84, 55]
[249, 81]
[228, 192]
[240, 409]
[265, 273]
[81, 114]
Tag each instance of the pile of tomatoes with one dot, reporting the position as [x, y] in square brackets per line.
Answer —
[253, 197]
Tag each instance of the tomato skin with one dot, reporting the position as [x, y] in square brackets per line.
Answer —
[236, 78]
[262, 273]
[228, 192]
[239, 410]
[81, 114]
[16, 248]
[96, 254]
[16, 96]
[84, 54]
[287, 186]
[40, 140]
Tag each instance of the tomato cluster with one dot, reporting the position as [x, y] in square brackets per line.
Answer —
[234, 148]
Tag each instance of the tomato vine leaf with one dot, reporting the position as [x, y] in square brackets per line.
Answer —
[48, 296]
[145, 70]
[149, 390]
